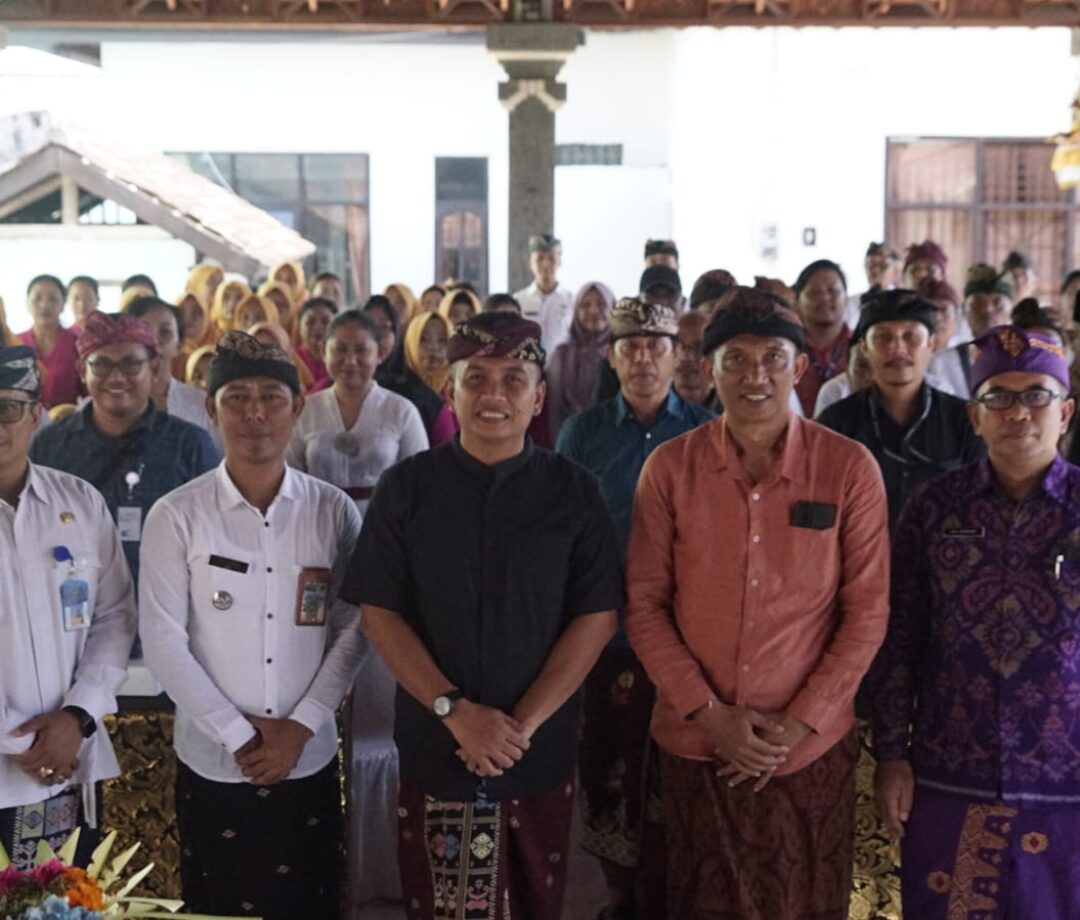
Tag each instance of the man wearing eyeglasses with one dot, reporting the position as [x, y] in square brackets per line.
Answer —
[131, 452]
[913, 430]
[976, 690]
[67, 617]
[615, 756]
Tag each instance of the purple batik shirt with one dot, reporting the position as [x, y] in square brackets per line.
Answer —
[982, 656]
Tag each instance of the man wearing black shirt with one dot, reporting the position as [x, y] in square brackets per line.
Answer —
[914, 431]
[488, 574]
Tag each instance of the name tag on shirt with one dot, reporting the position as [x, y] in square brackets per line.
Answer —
[129, 523]
[232, 565]
[75, 603]
[312, 592]
[813, 515]
[964, 532]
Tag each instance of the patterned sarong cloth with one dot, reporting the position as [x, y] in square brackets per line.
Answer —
[484, 860]
[962, 860]
[269, 851]
[784, 853]
[53, 820]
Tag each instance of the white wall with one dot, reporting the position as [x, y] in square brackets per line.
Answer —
[166, 261]
[789, 127]
[724, 130]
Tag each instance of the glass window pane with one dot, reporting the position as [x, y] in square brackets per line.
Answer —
[931, 172]
[341, 234]
[1019, 172]
[1040, 235]
[460, 179]
[217, 167]
[336, 177]
[450, 232]
[268, 178]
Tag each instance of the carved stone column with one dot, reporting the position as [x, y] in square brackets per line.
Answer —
[532, 54]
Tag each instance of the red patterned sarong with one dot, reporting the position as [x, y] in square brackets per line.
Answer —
[784, 853]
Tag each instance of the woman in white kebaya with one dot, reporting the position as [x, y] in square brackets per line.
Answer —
[352, 431]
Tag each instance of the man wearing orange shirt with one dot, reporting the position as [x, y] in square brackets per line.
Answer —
[757, 577]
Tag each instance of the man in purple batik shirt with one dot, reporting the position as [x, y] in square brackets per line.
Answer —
[976, 690]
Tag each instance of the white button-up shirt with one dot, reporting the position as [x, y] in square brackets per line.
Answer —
[554, 312]
[43, 667]
[388, 430]
[188, 404]
[225, 642]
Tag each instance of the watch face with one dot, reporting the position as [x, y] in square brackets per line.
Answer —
[442, 706]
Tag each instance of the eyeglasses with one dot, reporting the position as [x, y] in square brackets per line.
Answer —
[129, 367]
[12, 410]
[1033, 398]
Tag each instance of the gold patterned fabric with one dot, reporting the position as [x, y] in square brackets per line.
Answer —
[876, 884]
[139, 804]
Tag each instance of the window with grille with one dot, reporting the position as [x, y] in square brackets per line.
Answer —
[980, 198]
[322, 196]
[461, 220]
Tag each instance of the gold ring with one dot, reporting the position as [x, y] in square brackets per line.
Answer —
[46, 772]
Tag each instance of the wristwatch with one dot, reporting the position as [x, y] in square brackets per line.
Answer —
[87, 723]
[444, 705]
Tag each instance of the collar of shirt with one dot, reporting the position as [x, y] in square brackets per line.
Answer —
[32, 488]
[1054, 484]
[673, 405]
[534, 289]
[793, 466]
[879, 416]
[492, 473]
[229, 496]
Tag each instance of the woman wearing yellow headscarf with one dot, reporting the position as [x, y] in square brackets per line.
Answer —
[425, 353]
[280, 295]
[204, 280]
[291, 274]
[251, 310]
[459, 304]
[403, 299]
[198, 330]
[197, 369]
[223, 308]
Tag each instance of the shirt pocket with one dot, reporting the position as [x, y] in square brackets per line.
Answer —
[223, 584]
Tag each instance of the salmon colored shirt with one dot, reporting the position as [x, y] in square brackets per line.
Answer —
[729, 600]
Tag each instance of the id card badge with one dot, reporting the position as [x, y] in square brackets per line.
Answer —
[129, 523]
[75, 603]
[312, 592]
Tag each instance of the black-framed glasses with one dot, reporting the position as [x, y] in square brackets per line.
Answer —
[129, 367]
[1031, 398]
[12, 410]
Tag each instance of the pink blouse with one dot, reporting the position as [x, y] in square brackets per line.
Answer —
[61, 379]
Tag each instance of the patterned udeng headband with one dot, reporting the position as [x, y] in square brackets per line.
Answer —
[497, 335]
[1009, 348]
[240, 356]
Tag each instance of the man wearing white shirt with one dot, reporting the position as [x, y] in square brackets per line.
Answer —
[545, 300]
[256, 650]
[67, 616]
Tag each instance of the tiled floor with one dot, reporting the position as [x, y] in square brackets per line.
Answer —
[584, 894]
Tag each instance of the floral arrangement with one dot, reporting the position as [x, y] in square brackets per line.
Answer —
[54, 889]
